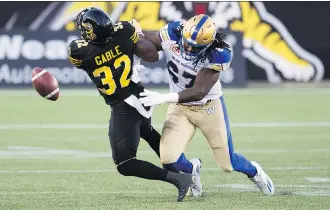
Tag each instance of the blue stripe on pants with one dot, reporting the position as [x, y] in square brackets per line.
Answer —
[238, 162]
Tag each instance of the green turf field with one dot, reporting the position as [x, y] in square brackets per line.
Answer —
[56, 155]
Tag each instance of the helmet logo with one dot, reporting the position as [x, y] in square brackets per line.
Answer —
[88, 31]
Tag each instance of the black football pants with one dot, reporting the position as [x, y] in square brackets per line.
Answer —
[126, 126]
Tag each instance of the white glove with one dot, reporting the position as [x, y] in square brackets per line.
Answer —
[137, 26]
[136, 59]
[138, 68]
[151, 98]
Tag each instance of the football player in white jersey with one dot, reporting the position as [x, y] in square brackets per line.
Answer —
[196, 54]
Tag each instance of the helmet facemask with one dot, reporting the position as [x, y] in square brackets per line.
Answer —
[190, 50]
[95, 26]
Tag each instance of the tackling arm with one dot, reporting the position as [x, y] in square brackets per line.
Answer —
[207, 77]
[204, 81]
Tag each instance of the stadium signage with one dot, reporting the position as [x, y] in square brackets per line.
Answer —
[21, 51]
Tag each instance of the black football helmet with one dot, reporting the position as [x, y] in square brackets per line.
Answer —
[95, 25]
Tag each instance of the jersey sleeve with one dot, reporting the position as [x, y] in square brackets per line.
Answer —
[127, 30]
[220, 60]
[171, 31]
[76, 53]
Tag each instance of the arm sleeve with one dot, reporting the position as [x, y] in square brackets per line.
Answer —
[127, 30]
[75, 54]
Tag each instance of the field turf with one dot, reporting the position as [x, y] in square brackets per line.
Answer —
[56, 155]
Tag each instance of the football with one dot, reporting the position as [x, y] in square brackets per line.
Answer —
[45, 84]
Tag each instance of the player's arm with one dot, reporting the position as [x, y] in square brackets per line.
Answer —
[168, 32]
[205, 79]
[154, 37]
[75, 52]
[143, 48]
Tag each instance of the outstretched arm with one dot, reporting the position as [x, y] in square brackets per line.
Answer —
[204, 81]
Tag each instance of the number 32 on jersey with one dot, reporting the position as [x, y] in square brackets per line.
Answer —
[108, 79]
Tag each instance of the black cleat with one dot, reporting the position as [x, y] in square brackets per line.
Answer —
[185, 181]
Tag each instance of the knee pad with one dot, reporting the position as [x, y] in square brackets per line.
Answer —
[125, 167]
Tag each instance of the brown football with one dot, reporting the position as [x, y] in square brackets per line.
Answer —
[45, 84]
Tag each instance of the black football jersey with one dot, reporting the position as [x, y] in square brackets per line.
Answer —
[110, 66]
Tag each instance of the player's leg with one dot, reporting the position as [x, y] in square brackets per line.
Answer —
[176, 134]
[152, 136]
[241, 164]
[124, 134]
[211, 121]
[214, 123]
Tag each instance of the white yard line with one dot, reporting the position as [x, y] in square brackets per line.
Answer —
[302, 190]
[58, 154]
[160, 125]
[227, 91]
[204, 170]
[56, 171]
[317, 179]
[28, 152]
[290, 186]
[82, 192]
[203, 152]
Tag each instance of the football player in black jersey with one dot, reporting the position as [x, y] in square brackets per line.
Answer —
[106, 54]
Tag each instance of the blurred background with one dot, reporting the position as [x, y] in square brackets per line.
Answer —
[272, 42]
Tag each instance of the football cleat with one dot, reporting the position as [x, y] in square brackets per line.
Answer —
[262, 180]
[197, 187]
[184, 187]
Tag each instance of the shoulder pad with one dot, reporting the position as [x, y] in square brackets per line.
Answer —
[126, 30]
[76, 51]
[220, 59]
[171, 31]
[221, 56]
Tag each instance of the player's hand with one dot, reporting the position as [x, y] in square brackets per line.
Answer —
[151, 98]
[138, 67]
[137, 26]
[137, 64]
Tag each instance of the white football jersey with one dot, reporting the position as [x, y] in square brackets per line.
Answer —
[182, 72]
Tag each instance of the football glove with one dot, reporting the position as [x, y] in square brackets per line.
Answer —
[151, 98]
[137, 26]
